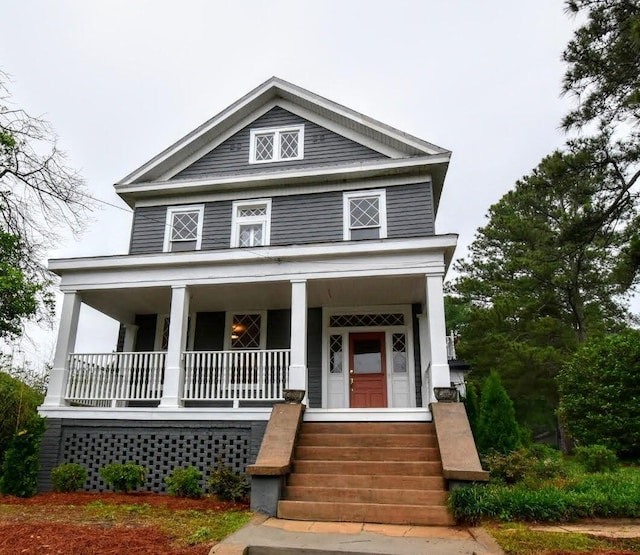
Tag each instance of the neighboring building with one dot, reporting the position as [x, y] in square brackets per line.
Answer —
[288, 242]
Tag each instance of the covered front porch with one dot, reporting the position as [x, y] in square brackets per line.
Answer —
[220, 343]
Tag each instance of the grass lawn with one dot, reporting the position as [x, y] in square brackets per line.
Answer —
[518, 539]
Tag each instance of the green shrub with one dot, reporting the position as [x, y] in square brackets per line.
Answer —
[599, 387]
[185, 482]
[123, 477]
[597, 458]
[607, 495]
[497, 426]
[530, 465]
[227, 484]
[22, 460]
[68, 477]
[471, 404]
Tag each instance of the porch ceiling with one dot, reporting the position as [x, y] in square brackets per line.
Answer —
[124, 304]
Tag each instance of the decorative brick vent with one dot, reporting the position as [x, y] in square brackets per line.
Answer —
[160, 449]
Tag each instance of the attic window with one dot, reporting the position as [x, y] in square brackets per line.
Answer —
[276, 145]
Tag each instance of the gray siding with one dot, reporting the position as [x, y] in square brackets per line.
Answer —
[216, 227]
[279, 329]
[160, 446]
[415, 310]
[314, 356]
[295, 219]
[146, 336]
[410, 210]
[321, 147]
[310, 218]
[209, 332]
[147, 231]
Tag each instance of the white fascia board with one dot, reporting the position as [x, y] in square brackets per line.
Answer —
[273, 88]
[157, 414]
[289, 190]
[427, 256]
[130, 192]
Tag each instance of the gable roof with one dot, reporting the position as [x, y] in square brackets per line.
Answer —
[396, 143]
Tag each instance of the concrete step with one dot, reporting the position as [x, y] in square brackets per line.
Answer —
[357, 453]
[376, 428]
[366, 495]
[368, 440]
[422, 515]
[389, 468]
[368, 481]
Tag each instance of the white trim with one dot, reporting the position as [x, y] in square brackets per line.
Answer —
[276, 132]
[359, 170]
[171, 210]
[347, 197]
[268, 91]
[157, 340]
[237, 221]
[328, 330]
[288, 191]
[228, 323]
[368, 415]
[158, 413]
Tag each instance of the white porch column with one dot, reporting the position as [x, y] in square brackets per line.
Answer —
[65, 344]
[173, 371]
[298, 366]
[130, 332]
[439, 370]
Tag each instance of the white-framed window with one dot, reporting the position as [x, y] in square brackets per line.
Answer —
[251, 223]
[183, 228]
[365, 215]
[246, 330]
[276, 144]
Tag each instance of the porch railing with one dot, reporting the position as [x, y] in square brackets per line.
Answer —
[451, 347]
[236, 375]
[102, 379]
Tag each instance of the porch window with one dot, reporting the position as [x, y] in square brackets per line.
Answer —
[335, 354]
[183, 228]
[277, 144]
[251, 223]
[246, 331]
[399, 344]
[365, 215]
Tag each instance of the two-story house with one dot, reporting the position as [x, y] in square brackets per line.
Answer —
[286, 243]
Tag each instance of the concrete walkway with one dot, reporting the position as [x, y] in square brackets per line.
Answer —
[605, 528]
[271, 536]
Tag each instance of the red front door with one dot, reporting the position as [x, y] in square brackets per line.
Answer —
[367, 370]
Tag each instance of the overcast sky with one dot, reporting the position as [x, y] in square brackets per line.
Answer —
[120, 80]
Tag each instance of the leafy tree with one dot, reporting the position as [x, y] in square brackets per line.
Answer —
[18, 403]
[22, 460]
[497, 426]
[39, 195]
[600, 393]
[543, 275]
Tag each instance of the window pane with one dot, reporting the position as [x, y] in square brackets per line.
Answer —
[252, 211]
[251, 235]
[364, 212]
[335, 359]
[264, 147]
[365, 233]
[184, 226]
[289, 144]
[367, 356]
[245, 331]
[399, 352]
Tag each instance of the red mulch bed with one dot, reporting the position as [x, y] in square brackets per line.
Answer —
[153, 499]
[60, 538]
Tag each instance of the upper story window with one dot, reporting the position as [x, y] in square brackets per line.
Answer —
[251, 223]
[365, 215]
[276, 145]
[184, 228]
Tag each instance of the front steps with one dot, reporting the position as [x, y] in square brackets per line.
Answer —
[367, 472]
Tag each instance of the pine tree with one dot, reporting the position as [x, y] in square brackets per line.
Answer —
[497, 426]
